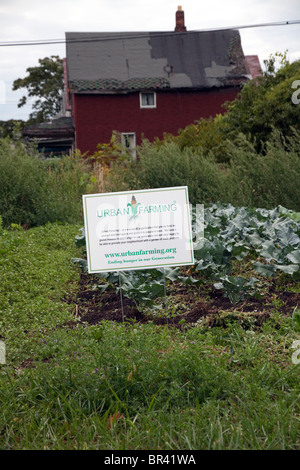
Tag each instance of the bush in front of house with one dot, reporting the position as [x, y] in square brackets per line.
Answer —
[250, 178]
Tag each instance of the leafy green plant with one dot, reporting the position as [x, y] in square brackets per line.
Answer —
[144, 287]
[230, 234]
[237, 287]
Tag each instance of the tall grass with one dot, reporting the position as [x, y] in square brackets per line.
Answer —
[167, 165]
[253, 179]
[22, 181]
[268, 179]
[35, 191]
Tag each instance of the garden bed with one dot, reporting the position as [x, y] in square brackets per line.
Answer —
[187, 306]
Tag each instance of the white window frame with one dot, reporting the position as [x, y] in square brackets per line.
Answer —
[132, 147]
[147, 106]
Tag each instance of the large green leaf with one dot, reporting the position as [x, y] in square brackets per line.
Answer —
[80, 239]
[294, 256]
[288, 268]
[287, 237]
[270, 251]
[268, 270]
[81, 262]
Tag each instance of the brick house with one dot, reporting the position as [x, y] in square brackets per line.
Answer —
[147, 83]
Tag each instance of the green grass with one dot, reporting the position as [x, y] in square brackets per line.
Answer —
[67, 385]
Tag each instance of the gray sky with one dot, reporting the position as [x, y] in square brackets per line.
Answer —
[25, 20]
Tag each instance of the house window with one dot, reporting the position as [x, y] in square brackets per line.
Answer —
[148, 100]
[129, 141]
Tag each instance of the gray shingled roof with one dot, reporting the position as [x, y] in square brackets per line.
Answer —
[107, 62]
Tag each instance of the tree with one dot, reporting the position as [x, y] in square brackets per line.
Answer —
[11, 128]
[46, 83]
[266, 104]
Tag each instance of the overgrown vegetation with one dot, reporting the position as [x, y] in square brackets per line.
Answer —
[266, 104]
[35, 191]
[250, 178]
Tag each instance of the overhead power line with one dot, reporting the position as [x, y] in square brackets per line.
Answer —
[133, 35]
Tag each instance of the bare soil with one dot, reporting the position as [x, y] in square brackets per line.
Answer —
[188, 306]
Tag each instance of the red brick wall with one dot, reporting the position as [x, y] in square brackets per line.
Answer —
[97, 116]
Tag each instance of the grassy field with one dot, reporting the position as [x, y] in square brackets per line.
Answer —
[70, 385]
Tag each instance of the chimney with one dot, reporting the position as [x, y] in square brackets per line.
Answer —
[180, 20]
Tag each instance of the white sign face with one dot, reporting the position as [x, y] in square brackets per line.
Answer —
[138, 230]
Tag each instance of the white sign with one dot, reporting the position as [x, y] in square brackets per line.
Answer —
[138, 229]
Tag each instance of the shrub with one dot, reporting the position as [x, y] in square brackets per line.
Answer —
[255, 179]
[266, 103]
[166, 165]
[207, 136]
[269, 179]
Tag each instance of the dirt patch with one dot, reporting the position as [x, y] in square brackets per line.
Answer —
[94, 306]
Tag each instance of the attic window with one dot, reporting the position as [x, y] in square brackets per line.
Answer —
[148, 100]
